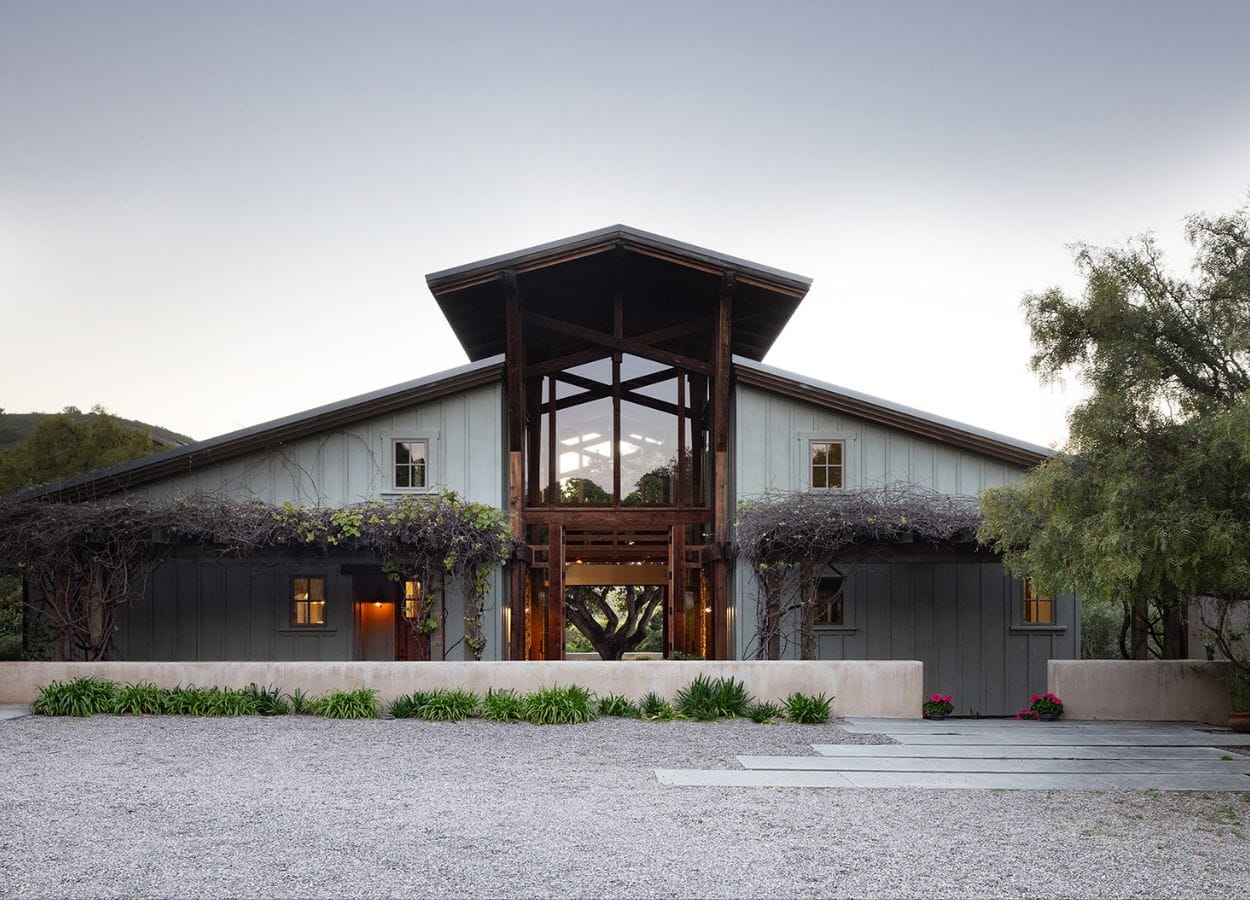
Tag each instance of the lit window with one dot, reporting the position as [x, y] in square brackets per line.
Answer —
[830, 604]
[1038, 608]
[826, 464]
[412, 599]
[308, 600]
[410, 464]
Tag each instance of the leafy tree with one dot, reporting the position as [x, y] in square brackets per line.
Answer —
[65, 444]
[1148, 506]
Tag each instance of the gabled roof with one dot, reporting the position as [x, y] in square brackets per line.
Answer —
[574, 278]
[103, 482]
[894, 415]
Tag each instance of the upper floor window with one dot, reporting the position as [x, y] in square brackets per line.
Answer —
[1039, 609]
[826, 464]
[409, 463]
[308, 600]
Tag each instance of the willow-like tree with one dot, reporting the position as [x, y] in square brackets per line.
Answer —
[1148, 504]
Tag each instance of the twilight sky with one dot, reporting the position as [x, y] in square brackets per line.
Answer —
[215, 214]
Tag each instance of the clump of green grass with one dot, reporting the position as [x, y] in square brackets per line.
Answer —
[361, 703]
[653, 706]
[301, 704]
[267, 701]
[86, 695]
[617, 705]
[764, 712]
[408, 706]
[705, 699]
[807, 709]
[571, 705]
[449, 705]
[141, 699]
[504, 705]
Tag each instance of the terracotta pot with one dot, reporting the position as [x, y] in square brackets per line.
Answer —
[1239, 722]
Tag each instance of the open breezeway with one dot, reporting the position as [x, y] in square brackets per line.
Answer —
[1002, 754]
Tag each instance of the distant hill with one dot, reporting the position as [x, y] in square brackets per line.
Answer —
[17, 427]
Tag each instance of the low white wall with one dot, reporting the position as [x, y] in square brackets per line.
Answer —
[1168, 690]
[892, 688]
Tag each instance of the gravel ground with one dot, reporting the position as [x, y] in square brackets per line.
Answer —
[308, 807]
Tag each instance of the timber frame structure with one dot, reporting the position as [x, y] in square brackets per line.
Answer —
[608, 297]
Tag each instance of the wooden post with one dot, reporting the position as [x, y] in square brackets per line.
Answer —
[722, 350]
[555, 593]
[514, 371]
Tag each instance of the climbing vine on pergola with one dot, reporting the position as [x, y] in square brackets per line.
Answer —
[87, 560]
[789, 539]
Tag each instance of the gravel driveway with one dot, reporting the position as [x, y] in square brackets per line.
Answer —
[308, 807]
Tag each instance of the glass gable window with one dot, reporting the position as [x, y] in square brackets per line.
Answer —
[826, 462]
[410, 464]
[1039, 609]
[308, 600]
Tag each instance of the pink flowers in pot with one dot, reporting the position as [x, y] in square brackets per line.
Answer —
[939, 706]
[1046, 707]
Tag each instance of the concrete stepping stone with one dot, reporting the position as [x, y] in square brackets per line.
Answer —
[1018, 751]
[1217, 766]
[964, 781]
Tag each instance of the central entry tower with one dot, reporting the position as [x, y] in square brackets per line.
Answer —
[618, 348]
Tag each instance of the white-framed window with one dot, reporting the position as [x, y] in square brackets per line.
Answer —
[827, 464]
[409, 462]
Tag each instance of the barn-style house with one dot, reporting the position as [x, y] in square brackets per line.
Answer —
[616, 408]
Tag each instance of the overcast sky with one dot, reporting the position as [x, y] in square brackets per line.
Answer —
[215, 214]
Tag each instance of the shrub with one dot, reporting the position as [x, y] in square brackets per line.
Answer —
[503, 706]
[449, 705]
[705, 699]
[142, 699]
[616, 705]
[764, 712]
[557, 705]
[267, 700]
[84, 696]
[301, 703]
[653, 706]
[808, 710]
[408, 706]
[361, 703]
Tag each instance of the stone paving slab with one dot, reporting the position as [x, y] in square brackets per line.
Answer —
[964, 781]
[1238, 766]
[1018, 751]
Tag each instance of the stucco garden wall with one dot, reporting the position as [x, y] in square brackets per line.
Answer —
[891, 688]
[1171, 690]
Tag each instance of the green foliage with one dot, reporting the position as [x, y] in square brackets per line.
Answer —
[764, 712]
[268, 701]
[1149, 504]
[705, 699]
[449, 705]
[653, 706]
[142, 699]
[68, 444]
[503, 705]
[571, 705]
[618, 705]
[361, 703]
[807, 709]
[408, 706]
[301, 704]
[86, 695]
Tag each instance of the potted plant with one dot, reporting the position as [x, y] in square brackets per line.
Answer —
[1047, 707]
[938, 706]
[1239, 698]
